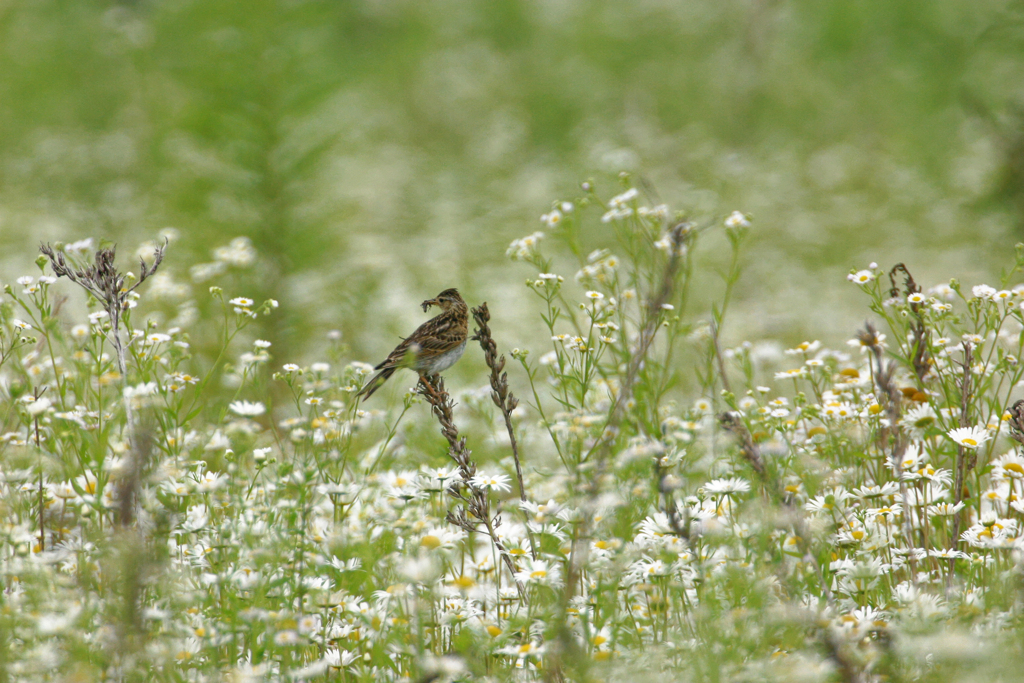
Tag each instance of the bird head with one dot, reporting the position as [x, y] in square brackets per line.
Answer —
[446, 300]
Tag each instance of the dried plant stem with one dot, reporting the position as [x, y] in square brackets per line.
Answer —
[883, 376]
[39, 450]
[752, 454]
[848, 670]
[719, 357]
[920, 359]
[961, 460]
[602, 448]
[500, 394]
[680, 525]
[104, 282]
[732, 422]
[604, 443]
[119, 351]
[474, 499]
[648, 331]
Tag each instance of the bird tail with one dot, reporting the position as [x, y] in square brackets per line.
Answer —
[375, 383]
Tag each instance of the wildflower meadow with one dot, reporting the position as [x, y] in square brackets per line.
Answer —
[631, 494]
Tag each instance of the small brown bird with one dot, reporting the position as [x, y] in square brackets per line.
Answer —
[433, 347]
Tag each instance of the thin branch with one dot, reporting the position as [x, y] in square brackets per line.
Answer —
[500, 394]
[602, 448]
[655, 305]
[961, 452]
[731, 422]
[719, 358]
[474, 499]
[921, 361]
[890, 395]
[104, 282]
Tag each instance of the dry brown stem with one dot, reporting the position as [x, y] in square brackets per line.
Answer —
[752, 454]
[107, 285]
[920, 358]
[500, 394]
[961, 460]
[883, 374]
[474, 513]
[652, 321]
[604, 443]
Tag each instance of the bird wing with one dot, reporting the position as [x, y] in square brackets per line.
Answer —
[432, 338]
[438, 335]
[396, 358]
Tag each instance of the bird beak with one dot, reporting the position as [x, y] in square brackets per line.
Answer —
[428, 303]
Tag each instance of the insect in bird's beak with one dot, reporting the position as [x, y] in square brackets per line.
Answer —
[428, 303]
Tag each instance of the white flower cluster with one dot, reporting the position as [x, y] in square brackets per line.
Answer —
[524, 248]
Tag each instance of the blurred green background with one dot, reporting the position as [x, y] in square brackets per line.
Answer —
[378, 151]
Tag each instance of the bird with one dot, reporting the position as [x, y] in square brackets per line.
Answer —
[435, 345]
